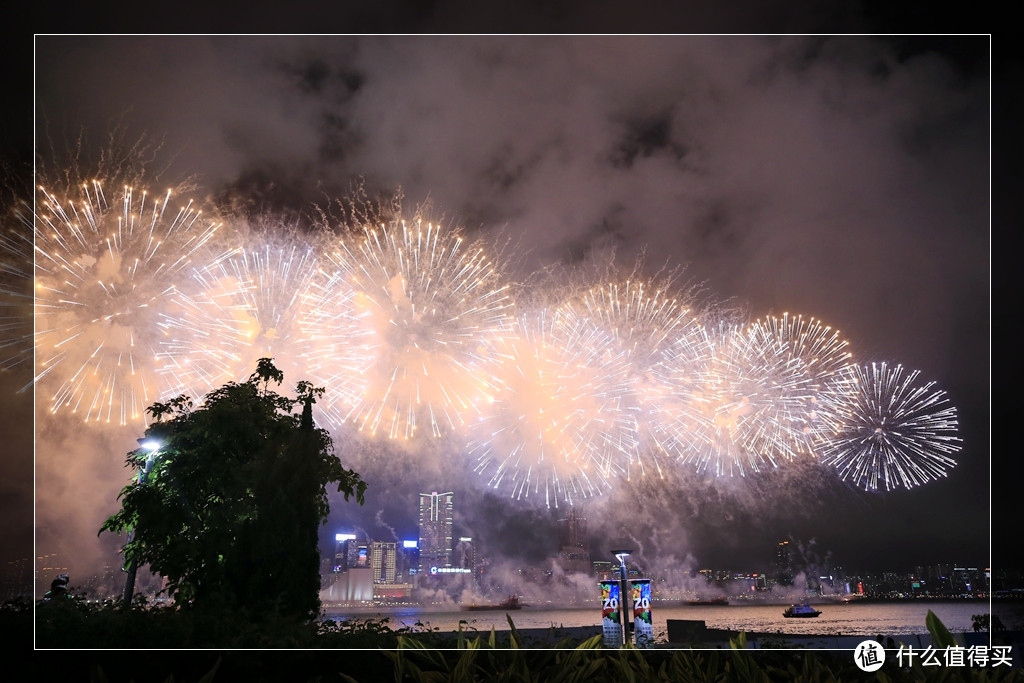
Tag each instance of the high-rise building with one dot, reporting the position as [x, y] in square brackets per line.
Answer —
[574, 555]
[346, 551]
[437, 512]
[784, 563]
[408, 559]
[574, 528]
[340, 563]
[465, 554]
[384, 561]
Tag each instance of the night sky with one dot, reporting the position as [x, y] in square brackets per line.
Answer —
[841, 177]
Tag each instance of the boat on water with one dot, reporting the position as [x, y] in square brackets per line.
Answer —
[511, 602]
[805, 610]
[712, 601]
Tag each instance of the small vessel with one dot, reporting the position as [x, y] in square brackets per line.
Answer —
[713, 601]
[511, 602]
[805, 610]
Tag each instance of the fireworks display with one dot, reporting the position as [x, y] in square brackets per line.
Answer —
[414, 333]
[647, 327]
[750, 396]
[243, 306]
[646, 277]
[820, 362]
[559, 424]
[425, 307]
[16, 292]
[890, 430]
[105, 268]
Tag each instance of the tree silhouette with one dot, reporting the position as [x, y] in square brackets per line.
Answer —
[228, 506]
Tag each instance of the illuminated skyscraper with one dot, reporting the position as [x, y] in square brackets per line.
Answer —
[408, 560]
[351, 552]
[784, 564]
[436, 519]
[383, 561]
[342, 544]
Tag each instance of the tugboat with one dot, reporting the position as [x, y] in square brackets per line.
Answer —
[805, 611]
[511, 602]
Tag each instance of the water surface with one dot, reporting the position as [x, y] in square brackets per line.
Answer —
[838, 619]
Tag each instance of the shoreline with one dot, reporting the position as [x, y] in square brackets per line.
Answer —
[737, 602]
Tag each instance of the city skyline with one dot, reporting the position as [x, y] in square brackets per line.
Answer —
[389, 573]
[361, 568]
[569, 545]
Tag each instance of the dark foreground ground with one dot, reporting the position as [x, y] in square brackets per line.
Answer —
[70, 643]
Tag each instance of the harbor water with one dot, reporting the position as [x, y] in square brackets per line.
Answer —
[836, 619]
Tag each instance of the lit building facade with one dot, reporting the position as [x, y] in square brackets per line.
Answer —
[352, 586]
[342, 541]
[465, 555]
[350, 552]
[574, 555]
[384, 562]
[408, 560]
[784, 563]
[437, 515]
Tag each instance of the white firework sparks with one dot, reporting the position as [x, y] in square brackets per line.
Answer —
[821, 355]
[411, 332]
[105, 268]
[681, 424]
[890, 431]
[647, 326]
[559, 425]
[243, 306]
[16, 333]
[750, 394]
[338, 338]
[427, 306]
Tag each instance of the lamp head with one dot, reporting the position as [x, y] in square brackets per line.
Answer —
[621, 555]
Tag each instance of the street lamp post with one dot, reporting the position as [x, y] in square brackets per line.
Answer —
[621, 556]
[133, 565]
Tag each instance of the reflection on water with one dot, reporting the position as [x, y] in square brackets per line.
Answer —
[855, 618]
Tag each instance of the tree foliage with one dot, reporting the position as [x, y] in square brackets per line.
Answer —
[227, 508]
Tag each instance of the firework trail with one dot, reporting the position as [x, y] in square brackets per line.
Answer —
[105, 268]
[649, 328]
[890, 431]
[409, 314]
[559, 425]
[243, 306]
